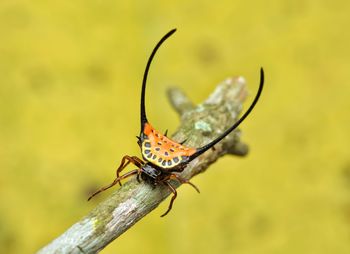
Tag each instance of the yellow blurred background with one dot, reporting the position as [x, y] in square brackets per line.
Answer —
[70, 76]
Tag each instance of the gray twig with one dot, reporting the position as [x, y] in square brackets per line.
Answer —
[128, 204]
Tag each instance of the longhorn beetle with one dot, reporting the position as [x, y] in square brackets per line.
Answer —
[163, 158]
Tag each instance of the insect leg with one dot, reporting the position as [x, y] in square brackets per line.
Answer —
[117, 180]
[172, 189]
[183, 180]
[126, 160]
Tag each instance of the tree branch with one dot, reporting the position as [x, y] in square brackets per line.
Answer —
[128, 204]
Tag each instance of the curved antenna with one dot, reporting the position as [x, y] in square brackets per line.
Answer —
[215, 141]
[143, 110]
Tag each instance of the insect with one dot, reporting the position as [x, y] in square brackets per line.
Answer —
[164, 158]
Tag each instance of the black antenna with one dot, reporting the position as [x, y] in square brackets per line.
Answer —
[143, 110]
[215, 141]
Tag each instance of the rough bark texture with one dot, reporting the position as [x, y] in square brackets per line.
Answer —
[128, 204]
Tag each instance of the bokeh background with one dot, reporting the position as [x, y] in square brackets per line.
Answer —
[70, 76]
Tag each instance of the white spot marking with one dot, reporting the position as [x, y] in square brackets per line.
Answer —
[204, 126]
[241, 80]
[228, 80]
[121, 214]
